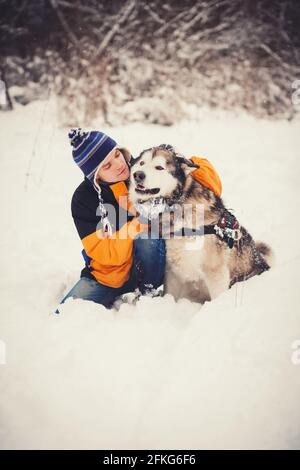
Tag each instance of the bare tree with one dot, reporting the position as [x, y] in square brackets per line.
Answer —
[102, 56]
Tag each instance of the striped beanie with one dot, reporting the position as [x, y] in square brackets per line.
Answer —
[90, 149]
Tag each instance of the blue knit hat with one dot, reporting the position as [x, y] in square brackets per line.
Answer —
[90, 149]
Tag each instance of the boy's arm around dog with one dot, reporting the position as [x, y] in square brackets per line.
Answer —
[207, 175]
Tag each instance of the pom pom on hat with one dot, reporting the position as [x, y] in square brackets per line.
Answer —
[76, 136]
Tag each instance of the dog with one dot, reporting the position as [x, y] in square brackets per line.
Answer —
[161, 181]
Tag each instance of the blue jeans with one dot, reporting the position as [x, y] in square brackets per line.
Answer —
[148, 270]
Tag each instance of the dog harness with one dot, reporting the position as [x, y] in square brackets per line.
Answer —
[227, 229]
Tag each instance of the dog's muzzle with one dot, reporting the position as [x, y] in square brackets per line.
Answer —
[139, 177]
[142, 190]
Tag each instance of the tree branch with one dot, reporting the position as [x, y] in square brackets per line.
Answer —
[278, 59]
[83, 8]
[64, 23]
[124, 14]
[154, 15]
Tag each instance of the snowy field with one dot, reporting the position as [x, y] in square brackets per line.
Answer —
[160, 374]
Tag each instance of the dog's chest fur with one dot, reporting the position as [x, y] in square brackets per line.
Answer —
[185, 258]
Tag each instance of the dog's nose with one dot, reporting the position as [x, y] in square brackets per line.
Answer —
[139, 176]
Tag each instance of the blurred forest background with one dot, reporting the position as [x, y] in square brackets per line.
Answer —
[150, 61]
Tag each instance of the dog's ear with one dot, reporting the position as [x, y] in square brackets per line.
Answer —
[132, 161]
[187, 165]
[167, 147]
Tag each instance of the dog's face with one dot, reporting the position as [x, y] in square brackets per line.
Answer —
[158, 173]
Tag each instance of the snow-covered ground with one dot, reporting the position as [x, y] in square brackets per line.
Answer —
[160, 374]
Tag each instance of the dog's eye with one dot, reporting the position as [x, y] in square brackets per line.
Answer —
[142, 163]
[159, 167]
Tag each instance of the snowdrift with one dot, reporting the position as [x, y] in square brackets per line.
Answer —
[159, 374]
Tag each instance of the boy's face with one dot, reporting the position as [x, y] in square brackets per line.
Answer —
[114, 169]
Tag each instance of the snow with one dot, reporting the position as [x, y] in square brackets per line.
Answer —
[159, 374]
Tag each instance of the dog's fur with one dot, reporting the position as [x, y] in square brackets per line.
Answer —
[197, 274]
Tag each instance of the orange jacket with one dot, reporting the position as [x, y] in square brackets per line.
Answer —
[207, 175]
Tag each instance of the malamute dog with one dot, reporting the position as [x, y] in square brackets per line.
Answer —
[161, 181]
